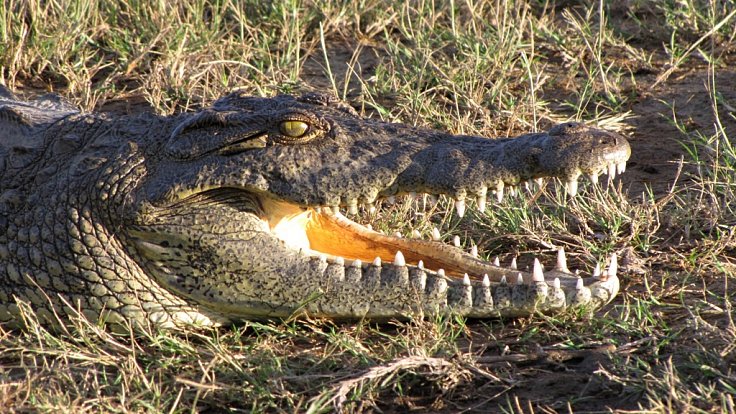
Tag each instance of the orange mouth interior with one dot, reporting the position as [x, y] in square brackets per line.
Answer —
[334, 235]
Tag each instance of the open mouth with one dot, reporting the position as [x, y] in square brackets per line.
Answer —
[326, 233]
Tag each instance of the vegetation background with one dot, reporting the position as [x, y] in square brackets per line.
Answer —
[661, 72]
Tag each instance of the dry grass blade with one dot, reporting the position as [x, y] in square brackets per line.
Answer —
[383, 374]
[662, 77]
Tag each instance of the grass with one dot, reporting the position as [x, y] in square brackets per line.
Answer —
[474, 67]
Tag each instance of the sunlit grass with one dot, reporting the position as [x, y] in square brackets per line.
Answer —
[486, 67]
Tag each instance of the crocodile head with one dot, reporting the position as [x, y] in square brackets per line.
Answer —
[239, 212]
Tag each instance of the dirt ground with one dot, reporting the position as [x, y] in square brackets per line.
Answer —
[657, 145]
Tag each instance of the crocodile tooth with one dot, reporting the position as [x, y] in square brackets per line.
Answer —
[440, 284]
[418, 279]
[318, 210]
[581, 295]
[593, 177]
[512, 190]
[597, 271]
[377, 261]
[323, 258]
[482, 194]
[398, 235]
[371, 208]
[399, 259]
[435, 234]
[556, 297]
[482, 202]
[621, 167]
[519, 279]
[562, 261]
[340, 260]
[460, 207]
[502, 294]
[499, 191]
[474, 251]
[483, 297]
[613, 266]
[400, 276]
[354, 273]
[513, 264]
[537, 273]
[520, 293]
[420, 264]
[572, 187]
[539, 181]
[611, 171]
[353, 207]
[604, 291]
[538, 282]
[337, 271]
[496, 262]
[456, 241]
[466, 295]
[441, 272]
[369, 226]
[612, 282]
[529, 186]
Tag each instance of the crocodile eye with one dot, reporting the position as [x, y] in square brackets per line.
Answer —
[293, 129]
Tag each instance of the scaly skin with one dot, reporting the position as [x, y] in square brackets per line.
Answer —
[230, 213]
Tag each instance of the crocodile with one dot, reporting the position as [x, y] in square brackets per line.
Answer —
[240, 210]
